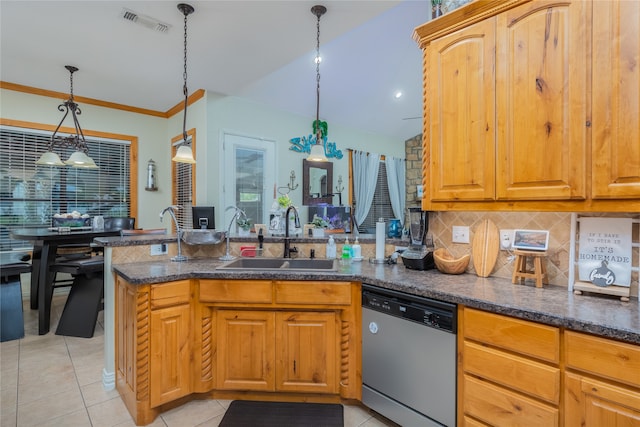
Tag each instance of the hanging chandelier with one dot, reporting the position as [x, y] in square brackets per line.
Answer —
[184, 153]
[80, 157]
[317, 153]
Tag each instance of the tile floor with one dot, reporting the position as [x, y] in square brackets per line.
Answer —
[51, 380]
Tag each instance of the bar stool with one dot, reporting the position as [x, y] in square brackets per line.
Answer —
[84, 302]
[539, 272]
[11, 318]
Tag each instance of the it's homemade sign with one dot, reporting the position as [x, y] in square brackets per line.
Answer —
[604, 257]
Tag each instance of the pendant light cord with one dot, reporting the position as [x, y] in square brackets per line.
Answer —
[184, 76]
[318, 131]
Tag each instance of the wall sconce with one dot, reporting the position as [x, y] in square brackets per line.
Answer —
[292, 179]
[151, 176]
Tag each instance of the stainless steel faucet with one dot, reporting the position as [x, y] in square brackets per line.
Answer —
[171, 209]
[238, 213]
[287, 244]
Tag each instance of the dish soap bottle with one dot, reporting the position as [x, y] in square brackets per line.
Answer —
[356, 250]
[346, 251]
[331, 248]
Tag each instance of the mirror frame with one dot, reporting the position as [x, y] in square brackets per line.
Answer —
[307, 200]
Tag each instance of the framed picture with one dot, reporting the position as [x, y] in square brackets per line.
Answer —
[531, 240]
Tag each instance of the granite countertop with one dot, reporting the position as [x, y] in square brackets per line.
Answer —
[553, 305]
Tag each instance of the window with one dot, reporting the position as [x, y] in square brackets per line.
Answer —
[31, 194]
[183, 179]
[381, 204]
[249, 177]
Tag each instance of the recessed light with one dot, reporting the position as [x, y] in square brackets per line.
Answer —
[398, 94]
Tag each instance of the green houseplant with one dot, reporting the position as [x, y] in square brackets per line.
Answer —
[244, 226]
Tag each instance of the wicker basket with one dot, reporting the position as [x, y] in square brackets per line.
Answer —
[447, 264]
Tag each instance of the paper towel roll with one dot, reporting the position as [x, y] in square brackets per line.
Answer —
[380, 234]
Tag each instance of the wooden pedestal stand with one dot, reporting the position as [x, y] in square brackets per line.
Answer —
[539, 272]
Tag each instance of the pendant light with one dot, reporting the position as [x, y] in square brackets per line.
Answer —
[317, 153]
[80, 157]
[184, 153]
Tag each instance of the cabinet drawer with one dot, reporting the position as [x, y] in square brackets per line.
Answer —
[517, 335]
[313, 292]
[605, 357]
[501, 407]
[242, 291]
[516, 372]
[167, 294]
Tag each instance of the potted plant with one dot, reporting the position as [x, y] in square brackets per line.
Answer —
[319, 224]
[244, 226]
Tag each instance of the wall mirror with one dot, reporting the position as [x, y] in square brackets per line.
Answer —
[317, 183]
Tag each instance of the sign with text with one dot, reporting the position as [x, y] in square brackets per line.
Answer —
[604, 257]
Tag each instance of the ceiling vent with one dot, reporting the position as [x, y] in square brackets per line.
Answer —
[145, 21]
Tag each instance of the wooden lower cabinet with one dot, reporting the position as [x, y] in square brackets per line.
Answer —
[602, 382]
[509, 373]
[513, 372]
[246, 350]
[291, 340]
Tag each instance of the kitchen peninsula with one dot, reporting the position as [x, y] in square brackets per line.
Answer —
[574, 320]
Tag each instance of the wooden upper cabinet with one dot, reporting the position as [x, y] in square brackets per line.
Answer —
[542, 93]
[616, 100]
[462, 102]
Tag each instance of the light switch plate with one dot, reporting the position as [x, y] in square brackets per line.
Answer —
[460, 234]
[160, 249]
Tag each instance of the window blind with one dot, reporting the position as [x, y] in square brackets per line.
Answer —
[183, 194]
[381, 204]
[31, 194]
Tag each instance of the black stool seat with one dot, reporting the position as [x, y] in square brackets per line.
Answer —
[84, 302]
[11, 319]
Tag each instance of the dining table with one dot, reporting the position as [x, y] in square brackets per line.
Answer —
[46, 241]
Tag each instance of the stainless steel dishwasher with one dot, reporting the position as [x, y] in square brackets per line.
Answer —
[409, 357]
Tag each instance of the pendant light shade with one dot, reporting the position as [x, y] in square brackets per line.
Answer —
[317, 153]
[184, 153]
[49, 158]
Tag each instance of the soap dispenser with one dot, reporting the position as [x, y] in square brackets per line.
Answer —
[346, 252]
[356, 250]
[331, 248]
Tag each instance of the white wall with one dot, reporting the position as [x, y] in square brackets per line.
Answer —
[211, 115]
[245, 117]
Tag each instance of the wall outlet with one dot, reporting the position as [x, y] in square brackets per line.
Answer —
[160, 249]
[506, 239]
[460, 234]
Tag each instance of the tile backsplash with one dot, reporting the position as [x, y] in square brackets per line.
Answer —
[558, 224]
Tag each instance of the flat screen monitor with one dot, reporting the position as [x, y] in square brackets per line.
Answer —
[203, 217]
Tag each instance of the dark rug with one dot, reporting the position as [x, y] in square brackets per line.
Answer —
[245, 413]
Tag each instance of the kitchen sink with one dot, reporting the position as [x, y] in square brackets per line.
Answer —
[272, 264]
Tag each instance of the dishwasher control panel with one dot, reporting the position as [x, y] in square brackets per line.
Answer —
[433, 313]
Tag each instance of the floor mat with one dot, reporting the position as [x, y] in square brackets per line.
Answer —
[245, 413]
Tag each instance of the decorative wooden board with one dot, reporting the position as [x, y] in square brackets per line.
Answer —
[578, 286]
[485, 248]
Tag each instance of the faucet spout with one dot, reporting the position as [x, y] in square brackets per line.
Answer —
[287, 243]
[238, 213]
[171, 209]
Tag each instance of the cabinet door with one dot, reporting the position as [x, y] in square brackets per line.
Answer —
[589, 402]
[462, 114]
[245, 350]
[307, 345]
[616, 100]
[541, 91]
[170, 351]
